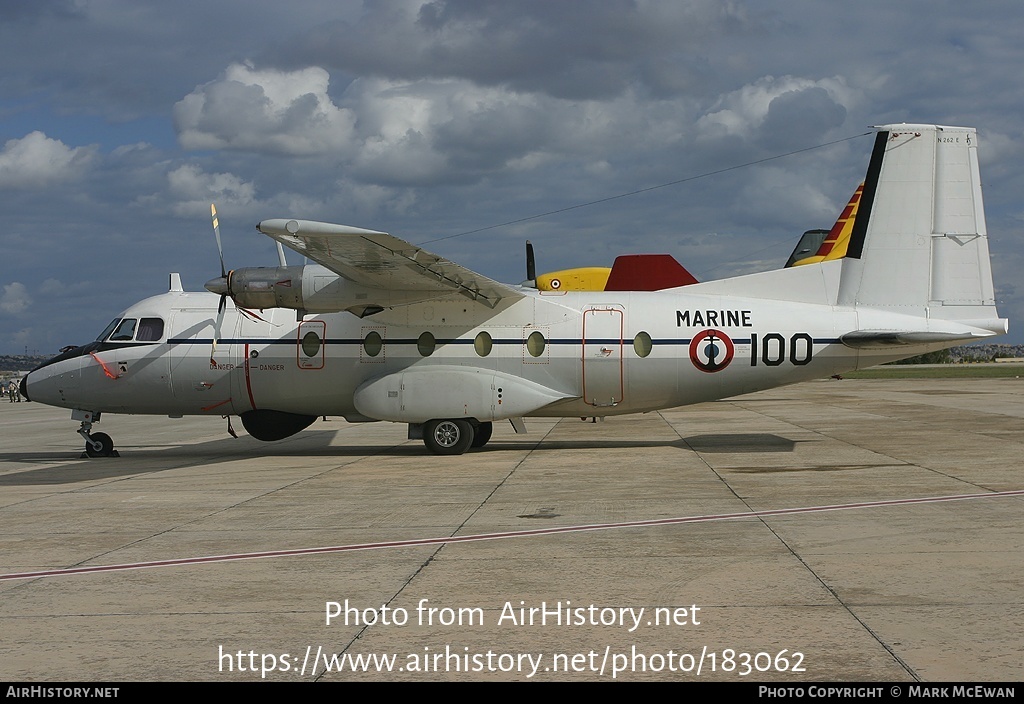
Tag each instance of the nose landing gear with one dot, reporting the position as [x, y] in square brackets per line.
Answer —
[96, 444]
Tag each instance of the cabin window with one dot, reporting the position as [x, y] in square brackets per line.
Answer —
[535, 343]
[125, 331]
[310, 344]
[150, 330]
[372, 343]
[425, 344]
[483, 344]
[642, 344]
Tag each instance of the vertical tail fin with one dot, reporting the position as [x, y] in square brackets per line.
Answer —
[919, 245]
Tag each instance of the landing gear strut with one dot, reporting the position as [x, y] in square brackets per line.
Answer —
[96, 444]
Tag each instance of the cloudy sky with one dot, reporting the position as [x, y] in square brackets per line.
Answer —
[120, 121]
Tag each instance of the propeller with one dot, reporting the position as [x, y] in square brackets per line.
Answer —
[221, 285]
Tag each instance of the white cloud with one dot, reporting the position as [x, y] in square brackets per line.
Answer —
[193, 190]
[428, 131]
[742, 112]
[423, 131]
[775, 197]
[15, 298]
[35, 160]
[267, 111]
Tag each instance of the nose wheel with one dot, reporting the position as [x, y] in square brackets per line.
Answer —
[100, 445]
[96, 444]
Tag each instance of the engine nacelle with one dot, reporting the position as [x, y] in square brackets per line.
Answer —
[267, 287]
[311, 288]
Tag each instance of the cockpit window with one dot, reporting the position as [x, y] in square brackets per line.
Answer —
[128, 329]
[125, 331]
[109, 329]
[150, 330]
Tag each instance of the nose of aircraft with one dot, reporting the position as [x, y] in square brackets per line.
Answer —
[56, 381]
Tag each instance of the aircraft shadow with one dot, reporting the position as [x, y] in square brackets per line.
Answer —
[742, 442]
[815, 468]
[725, 442]
[146, 460]
[142, 460]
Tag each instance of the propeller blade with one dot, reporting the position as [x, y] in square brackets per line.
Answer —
[226, 284]
[216, 232]
[531, 264]
[216, 327]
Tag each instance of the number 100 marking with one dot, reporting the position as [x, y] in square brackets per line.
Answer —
[772, 349]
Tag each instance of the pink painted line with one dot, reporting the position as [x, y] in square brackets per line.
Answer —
[498, 536]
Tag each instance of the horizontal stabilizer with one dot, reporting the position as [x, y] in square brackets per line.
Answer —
[867, 339]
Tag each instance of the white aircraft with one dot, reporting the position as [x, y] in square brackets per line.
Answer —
[385, 330]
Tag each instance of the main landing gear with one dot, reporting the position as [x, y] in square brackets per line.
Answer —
[96, 444]
[481, 434]
[454, 436]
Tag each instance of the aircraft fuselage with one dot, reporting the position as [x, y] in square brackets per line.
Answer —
[599, 353]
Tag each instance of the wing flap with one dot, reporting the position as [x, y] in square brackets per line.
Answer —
[379, 260]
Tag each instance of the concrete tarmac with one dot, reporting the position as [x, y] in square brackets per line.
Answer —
[898, 592]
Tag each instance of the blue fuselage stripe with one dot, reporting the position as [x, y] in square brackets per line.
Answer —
[453, 341]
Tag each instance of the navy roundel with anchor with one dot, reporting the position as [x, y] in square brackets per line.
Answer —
[711, 350]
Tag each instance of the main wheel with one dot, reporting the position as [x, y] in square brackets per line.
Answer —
[481, 434]
[448, 437]
[106, 445]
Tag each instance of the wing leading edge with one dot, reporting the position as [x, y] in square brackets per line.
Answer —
[379, 260]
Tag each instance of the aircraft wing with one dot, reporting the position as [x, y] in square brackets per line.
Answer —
[379, 260]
